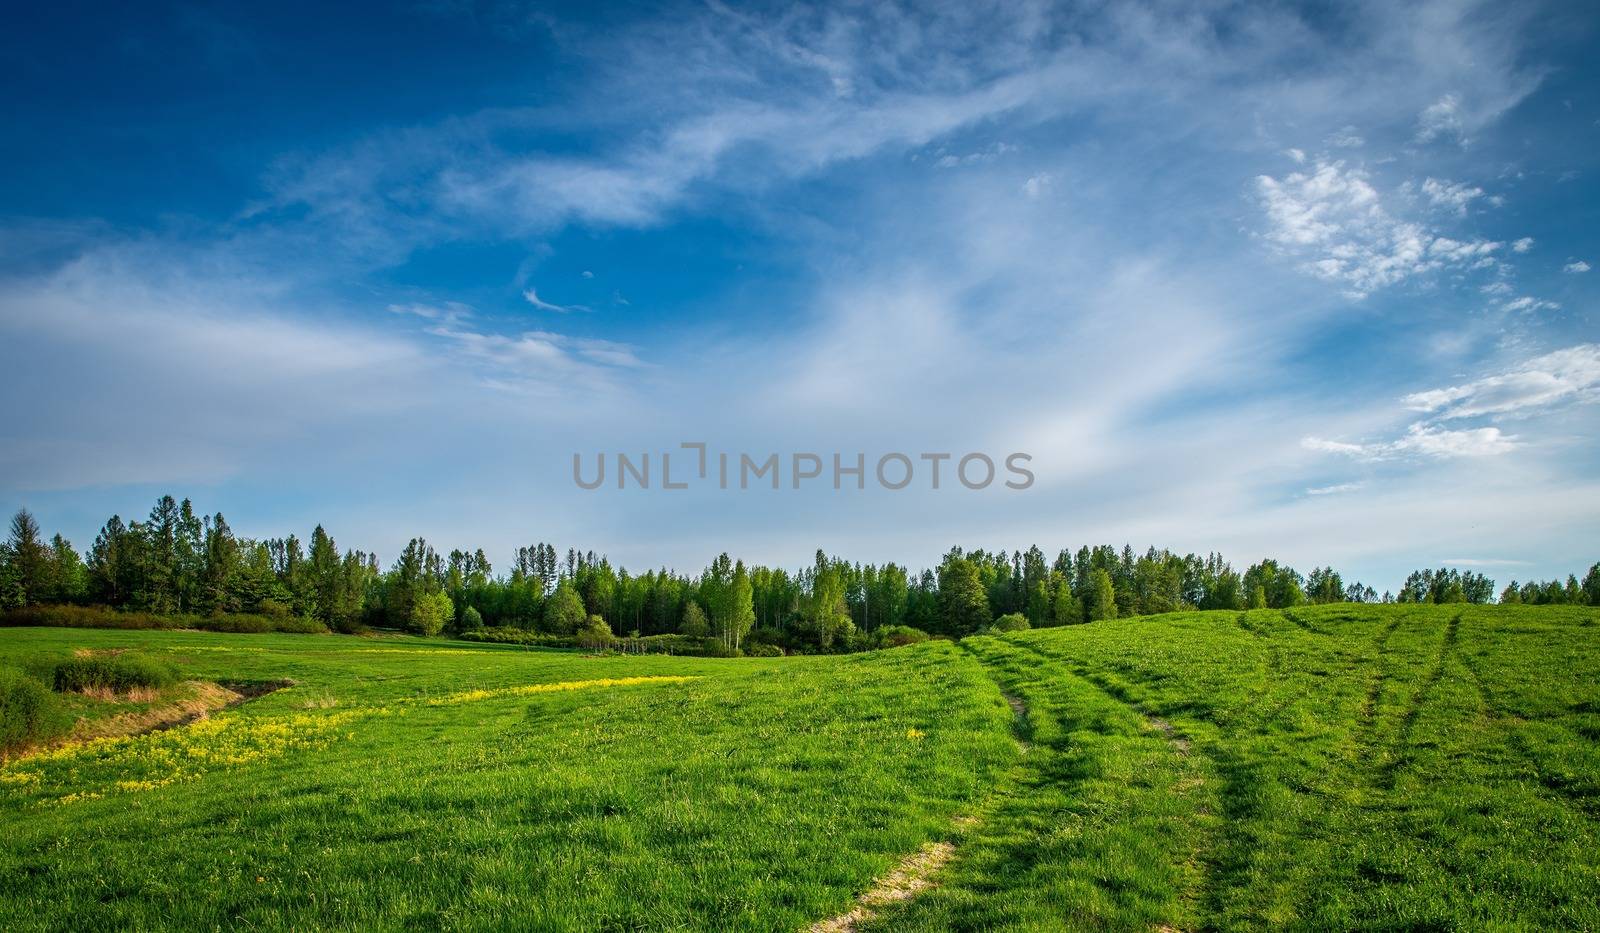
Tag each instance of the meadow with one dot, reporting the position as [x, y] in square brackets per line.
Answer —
[1343, 766]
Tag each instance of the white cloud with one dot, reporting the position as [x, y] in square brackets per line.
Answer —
[1441, 117]
[531, 296]
[1038, 185]
[1334, 216]
[1425, 440]
[449, 311]
[1522, 245]
[1347, 138]
[1527, 304]
[980, 157]
[1575, 267]
[1569, 375]
[1322, 445]
[1335, 489]
[587, 274]
[1451, 196]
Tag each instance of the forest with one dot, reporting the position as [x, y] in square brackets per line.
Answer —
[177, 563]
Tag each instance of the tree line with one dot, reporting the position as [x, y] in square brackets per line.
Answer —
[178, 562]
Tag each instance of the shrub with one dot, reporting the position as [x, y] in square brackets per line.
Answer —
[505, 635]
[714, 648]
[242, 624]
[1011, 622]
[273, 609]
[84, 617]
[896, 636]
[29, 712]
[763, 650]
[299, 625]
[117, 673]
[471, 619]
[102, 617]
[596, 635]
[663, 644]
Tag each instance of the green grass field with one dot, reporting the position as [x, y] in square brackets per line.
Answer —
[1332, 767]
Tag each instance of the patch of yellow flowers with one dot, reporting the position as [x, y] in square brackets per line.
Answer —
[470, 696]
[130, 764]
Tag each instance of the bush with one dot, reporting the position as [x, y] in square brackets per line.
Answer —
[117, 673]
[471, 619]
[763, 650]
[714, 648]
[273, 609]
[663, 644]
[505, 635]
[29, 712]
[896, 636]
[596, 635]
[84, 617]
[102, 617]
[1011, 622]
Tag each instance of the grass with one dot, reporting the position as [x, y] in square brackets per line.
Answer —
[759, 794]
[1341, 767]
[1331, 768]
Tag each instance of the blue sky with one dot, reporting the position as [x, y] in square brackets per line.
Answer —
[1278, 280]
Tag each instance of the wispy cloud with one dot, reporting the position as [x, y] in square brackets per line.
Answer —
[1565, 376]
[531, 296]
[1425, 440]
[1335, 489]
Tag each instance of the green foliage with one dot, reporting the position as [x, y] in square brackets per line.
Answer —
[471, 619]
[506, 635]
[118, 673]
[429, 613]
[694, 621]
[1258, 597]
[563, 613]
[898, 636]
[1066, 608]
[595, 635]
[101, 617]
[763, 651]
[1279, 586]
[1101, 603]
[1011, 622]
[964, 603]
[29, 712]
[1446, 585]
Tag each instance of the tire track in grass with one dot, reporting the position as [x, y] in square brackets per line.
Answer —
[1204, 844]
[918, 871]
[1179, 741]
[1365, 732]
[1400, 756]
[1552, 786]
